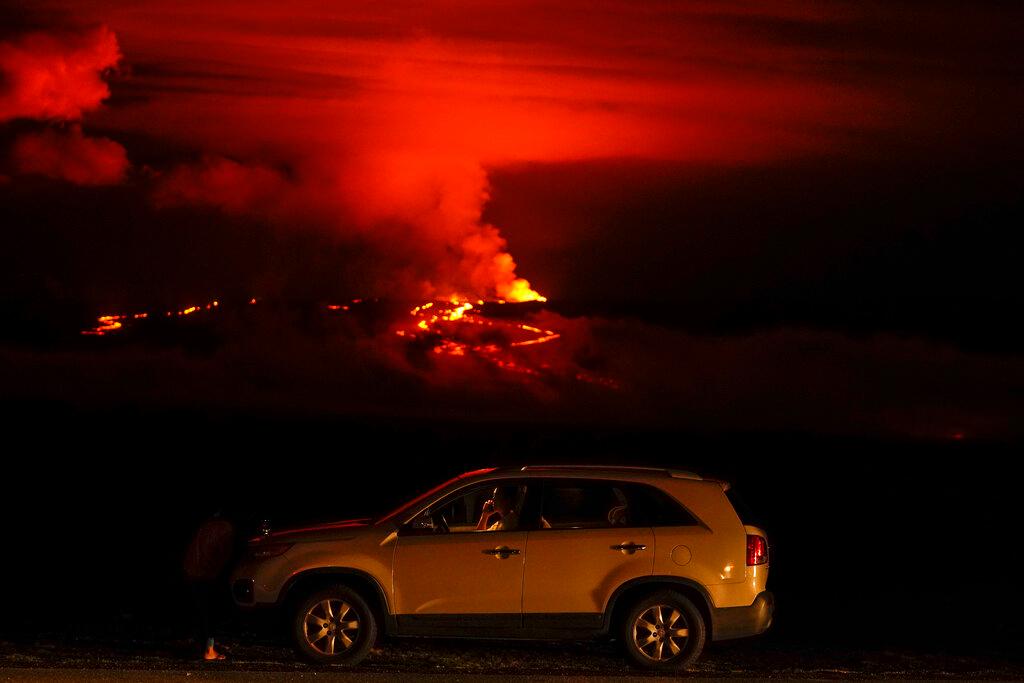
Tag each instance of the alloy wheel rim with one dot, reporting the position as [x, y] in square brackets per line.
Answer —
[660, 633]
[331, 626]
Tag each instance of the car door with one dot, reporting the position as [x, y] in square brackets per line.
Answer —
[451, 578]
[586, 549]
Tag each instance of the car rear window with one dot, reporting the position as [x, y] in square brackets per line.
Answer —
[652, 507]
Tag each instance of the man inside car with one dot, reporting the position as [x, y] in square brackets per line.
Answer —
[503, 502]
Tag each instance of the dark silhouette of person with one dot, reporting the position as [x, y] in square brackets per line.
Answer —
[206, 560]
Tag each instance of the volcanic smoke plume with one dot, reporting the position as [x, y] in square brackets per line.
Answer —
[381, 125]
[70, 156]
[423, 216]
[56, 77]
[417, 208]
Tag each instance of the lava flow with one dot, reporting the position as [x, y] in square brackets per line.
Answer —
[457, 327]
[494, 333]
[113, 323]
[454, 328]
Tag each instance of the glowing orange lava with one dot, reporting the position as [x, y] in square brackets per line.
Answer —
[112, 323]
[443, 323]
[454, 327]
[107, 324]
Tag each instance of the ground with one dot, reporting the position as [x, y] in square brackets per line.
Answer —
[469, 660]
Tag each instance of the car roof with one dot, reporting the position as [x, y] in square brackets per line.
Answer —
[602, 470]
[572, 471]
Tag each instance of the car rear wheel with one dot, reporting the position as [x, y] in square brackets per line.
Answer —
[334, 626]
[664, 631]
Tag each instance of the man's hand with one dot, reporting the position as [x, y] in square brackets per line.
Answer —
[485, 516]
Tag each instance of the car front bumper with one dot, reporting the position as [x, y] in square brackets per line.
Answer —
[739, 622]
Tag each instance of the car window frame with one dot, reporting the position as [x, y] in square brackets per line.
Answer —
[411, 504]
[405, 529]
[696, 521]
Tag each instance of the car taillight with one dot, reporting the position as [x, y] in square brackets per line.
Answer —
[757, 550]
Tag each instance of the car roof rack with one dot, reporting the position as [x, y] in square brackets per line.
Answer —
[674, 473]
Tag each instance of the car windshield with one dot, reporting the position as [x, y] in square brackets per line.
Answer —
[408, 507]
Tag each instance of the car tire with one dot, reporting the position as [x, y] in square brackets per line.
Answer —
[663, 631]
[334, 625]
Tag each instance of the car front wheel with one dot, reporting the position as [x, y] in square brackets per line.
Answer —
[664, 631]
[334, 626]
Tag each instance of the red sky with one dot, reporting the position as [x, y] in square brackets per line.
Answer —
[383, 122]
[363, 117]
[720, 167]
[523, 82]
[726, 82]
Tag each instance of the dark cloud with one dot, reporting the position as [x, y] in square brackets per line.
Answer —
[70, 155]
[224, 184]
[141, 82]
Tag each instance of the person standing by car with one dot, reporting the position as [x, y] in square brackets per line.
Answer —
[206, 560]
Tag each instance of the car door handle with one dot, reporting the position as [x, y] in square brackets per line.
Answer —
[629, 548]
[502, 552]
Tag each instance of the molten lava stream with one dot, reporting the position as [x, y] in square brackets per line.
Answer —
[113, 323]
[459, 330]
[454, 327]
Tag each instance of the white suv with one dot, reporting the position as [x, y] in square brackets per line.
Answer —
[656, 558]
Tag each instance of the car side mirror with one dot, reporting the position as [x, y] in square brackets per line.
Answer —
[423, 522]
[420, 525]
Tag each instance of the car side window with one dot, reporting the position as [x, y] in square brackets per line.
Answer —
[581, 504]
[494, 506]
[596, 504]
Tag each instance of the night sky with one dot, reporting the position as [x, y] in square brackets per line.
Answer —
[791, 216]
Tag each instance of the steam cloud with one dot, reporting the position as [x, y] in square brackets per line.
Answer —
[56, 78]
[70, 156]
[380, 124]
[435, 208]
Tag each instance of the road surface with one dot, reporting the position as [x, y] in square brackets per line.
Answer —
[451, 660]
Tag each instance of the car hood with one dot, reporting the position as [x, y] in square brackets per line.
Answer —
[338, 530]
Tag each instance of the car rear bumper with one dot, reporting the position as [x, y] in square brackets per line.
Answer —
[739, 622]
